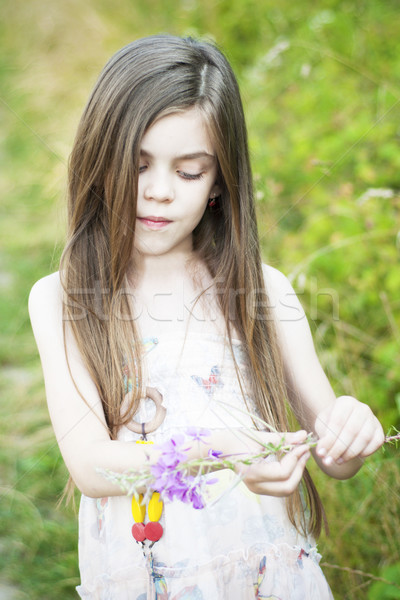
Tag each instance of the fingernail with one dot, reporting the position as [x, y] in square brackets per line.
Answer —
[321, 452]
[340, 461]
[328, 460]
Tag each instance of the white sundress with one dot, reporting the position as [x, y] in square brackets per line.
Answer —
[240, 547]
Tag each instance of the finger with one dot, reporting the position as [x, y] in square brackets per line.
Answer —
[279, 439]
[285, 467]
[269, 471]
[357, 446]
[292, 438]
[276, 477]
[286, 487]
[369, 439]
[355, 435]
[296, 437]
[362, 435]
[351, 439]
[376, 442]
[335, 423]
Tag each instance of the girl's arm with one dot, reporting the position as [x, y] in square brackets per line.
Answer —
[80, 427]
[347, 429]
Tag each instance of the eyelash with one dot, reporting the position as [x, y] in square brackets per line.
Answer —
[190, 176]
[186, 176]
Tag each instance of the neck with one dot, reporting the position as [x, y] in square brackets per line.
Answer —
[161, 269]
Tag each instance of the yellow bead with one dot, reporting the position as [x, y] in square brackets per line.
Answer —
[155, 507]
[138, 509]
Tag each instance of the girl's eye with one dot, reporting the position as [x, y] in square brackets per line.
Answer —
[190, 176]
[183, 174]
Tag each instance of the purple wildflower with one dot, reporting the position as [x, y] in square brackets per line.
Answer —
[172, 451]
[214, 453]
[196, 498]
[167, 480]
[162, 475]
[197, 434]
[172, 482]
[177, 487]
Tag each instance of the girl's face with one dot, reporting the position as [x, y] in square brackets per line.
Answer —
[177, 176]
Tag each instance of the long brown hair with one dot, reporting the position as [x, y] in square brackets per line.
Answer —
[146, 79]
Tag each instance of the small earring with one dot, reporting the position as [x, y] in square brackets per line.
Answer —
[212, 201]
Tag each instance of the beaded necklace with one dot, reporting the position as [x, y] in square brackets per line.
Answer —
[148, 534]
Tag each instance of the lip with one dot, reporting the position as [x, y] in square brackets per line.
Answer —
[153, 222]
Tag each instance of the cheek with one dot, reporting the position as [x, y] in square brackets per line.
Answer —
[140, 187]
[200, 209]
[193, 218]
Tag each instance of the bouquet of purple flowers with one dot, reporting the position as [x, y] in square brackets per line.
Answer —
[174, 476]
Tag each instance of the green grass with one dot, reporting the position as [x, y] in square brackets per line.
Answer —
[322, 99]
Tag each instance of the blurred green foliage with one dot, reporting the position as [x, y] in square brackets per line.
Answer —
[380, 590]
[322, 99]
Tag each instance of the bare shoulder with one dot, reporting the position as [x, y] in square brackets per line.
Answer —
[46, 289]
[45, 302]
[275, 280]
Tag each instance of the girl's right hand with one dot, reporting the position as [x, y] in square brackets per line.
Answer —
[279, 477]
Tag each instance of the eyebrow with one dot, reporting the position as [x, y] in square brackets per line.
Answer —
[190, 156]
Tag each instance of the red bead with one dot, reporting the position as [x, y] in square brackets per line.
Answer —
[153, 531]
[138, 532]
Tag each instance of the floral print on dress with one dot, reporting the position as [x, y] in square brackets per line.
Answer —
[191, 592]
[160, 588]
[260, 578]
[101, 504]
[302, 553]
[213, 382]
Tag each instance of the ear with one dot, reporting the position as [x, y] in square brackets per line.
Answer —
[216, 190]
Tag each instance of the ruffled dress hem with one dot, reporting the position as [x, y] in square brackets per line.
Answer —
[264, 571]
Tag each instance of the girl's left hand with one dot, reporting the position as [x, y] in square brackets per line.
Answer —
[347, 429]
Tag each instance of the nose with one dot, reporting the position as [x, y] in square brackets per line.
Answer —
[159, 187]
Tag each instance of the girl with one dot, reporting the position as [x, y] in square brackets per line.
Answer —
[161, 297]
